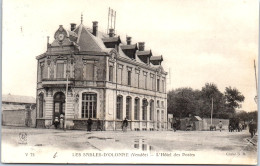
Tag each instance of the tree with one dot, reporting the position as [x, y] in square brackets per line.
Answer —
[181, 102]
[208, 92]
[233, 98]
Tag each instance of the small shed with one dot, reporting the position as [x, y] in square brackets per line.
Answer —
[197, 123]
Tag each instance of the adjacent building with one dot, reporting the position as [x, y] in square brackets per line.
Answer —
[107, 80]
[18, 110]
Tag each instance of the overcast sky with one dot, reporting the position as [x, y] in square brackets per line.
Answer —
[201, 40]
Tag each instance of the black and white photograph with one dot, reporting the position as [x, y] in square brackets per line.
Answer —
[130, 82]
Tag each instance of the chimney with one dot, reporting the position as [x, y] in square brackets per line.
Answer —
[128, 40]
[141, 46]
[72, 26]
[95, 28]
[111, 32]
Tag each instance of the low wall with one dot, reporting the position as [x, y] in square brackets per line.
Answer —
[14, 117]
[207, 122]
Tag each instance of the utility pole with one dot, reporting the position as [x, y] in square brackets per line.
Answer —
[255, 83]
[211, 110]
[66, 99]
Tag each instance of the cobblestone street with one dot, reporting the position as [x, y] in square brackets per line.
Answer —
[154, 143]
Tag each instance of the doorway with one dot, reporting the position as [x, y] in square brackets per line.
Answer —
[59, 105]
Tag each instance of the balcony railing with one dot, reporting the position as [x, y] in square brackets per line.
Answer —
[57, 81]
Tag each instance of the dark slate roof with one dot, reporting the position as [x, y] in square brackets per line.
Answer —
[156, 58]
[87, 41]
[129, 47]
[71, 33]
[111, 39]
[18, 99]
[144, 53]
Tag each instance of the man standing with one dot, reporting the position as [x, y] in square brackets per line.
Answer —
[89, 124]
[99, 125]
[56, 122]
[174, 124]
[61, 121]
[220, 126]
[124, 125]
[252, 128]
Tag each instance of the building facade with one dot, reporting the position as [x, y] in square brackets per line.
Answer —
[18, 110]
[107, 80]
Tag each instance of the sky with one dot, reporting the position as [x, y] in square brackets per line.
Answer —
[202, 41]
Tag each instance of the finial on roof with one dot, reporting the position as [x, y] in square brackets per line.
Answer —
[81, 18]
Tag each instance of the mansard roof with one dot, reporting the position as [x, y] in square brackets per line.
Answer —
[157, 58]
[129, 47]
[144, 53]
[87, 41]
[111, 39]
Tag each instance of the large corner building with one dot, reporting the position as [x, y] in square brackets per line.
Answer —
[107, 79]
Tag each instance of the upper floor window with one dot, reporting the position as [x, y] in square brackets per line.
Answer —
[128, 77]
[60, 72]
[119, 74]
[158, 103]
[89, 70]
[163, 86]
[158, 84]
[111, 68]
[41, 70]
[145, 80]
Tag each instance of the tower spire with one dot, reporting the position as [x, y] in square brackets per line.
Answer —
[81, 18]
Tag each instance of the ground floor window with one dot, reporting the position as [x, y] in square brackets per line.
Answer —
[144, 106]
[41, 100]
[119, 107]
[128, 107]
[162, 114]
[136, 109]
[89, 105]
[151, 109]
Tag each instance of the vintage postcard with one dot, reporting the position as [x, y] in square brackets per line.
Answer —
[129, 82]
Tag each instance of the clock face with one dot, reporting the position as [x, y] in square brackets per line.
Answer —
[61, 37]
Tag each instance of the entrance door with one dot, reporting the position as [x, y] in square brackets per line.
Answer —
[59, 105]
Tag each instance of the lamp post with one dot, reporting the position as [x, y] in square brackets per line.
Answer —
[66, 98]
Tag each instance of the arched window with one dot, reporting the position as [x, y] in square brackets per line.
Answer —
[151, 109]
[89, 105]
[144, 112]
[119, 107]
[136, 107]
[128, 107]
[41, 101]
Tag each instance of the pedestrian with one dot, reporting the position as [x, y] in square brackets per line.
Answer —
[61, 121]
[174, 125]
[99, 125]
[56, 122]
[220, 126]
[252, 128]
[124, 125]
[89, 124]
